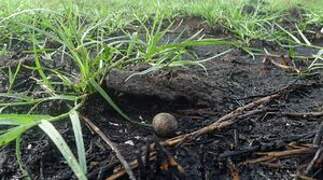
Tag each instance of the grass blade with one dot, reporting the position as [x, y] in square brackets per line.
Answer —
[13, 77]
[25, 174]
[108, 99]
[303, 36]
[40, 70]
[290, 34]
[21, 119]
[60, 143]
[204, 42]
[79, 139]
[13, 133]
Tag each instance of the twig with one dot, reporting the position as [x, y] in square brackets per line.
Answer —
[316, 143]
[171, 162]
[234, 171]
[112, 146]
[313, 161]
[284, 66]
[318, 136]
[238, 152]
[119, 171]
[280, 154]
[302, 114]
[302, 177]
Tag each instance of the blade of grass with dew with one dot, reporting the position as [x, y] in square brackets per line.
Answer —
[60, 143]
[78, 139]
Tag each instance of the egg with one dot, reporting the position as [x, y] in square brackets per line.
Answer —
[165, 124]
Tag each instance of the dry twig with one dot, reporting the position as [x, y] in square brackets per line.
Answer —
[286, 63]
[126, 166]
[302, 114]
[313, 161]
[270, 156]
[234, 171]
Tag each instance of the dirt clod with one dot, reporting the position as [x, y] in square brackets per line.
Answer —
[168, 85]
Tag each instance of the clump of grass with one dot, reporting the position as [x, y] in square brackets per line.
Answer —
[317, 63]
[248, 19]
[91, 54]
[20, 123]
[153, 47]
[87, 44]
[300, 40]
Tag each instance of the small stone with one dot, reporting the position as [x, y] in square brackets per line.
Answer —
[29, 146]
[165, 124]
[130, 142]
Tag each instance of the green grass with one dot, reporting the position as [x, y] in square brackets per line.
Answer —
[84, 32]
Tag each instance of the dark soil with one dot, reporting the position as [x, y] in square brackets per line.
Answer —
[197, 99]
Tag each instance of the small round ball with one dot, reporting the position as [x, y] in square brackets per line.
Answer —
[165, 124]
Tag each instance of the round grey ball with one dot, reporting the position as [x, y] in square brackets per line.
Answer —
[165, 124]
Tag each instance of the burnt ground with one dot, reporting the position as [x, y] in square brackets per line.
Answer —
[197, 99]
